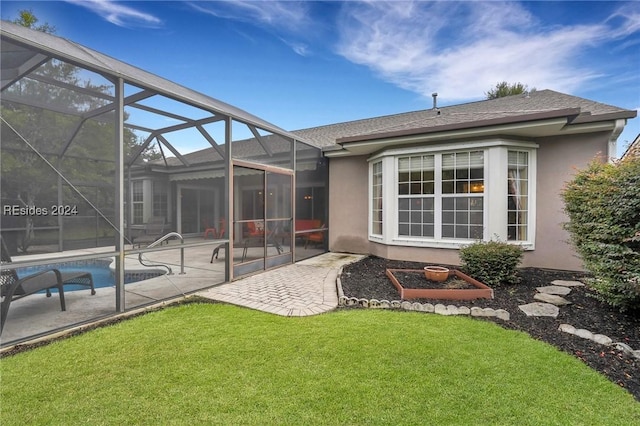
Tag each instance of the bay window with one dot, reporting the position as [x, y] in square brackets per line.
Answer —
[448, 198]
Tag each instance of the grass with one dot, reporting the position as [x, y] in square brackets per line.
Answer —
[220, 364]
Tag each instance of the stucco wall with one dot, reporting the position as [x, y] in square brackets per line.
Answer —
[558, 160]
[348, 182]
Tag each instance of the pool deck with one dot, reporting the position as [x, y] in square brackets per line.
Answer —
[305, 288]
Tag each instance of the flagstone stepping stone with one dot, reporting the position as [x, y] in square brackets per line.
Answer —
[552, 298]
[539, 309]
[564, 283]
[554, 289]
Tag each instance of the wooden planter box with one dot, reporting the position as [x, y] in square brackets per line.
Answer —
[480, 291]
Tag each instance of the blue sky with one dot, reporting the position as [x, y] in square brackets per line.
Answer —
[304, 64]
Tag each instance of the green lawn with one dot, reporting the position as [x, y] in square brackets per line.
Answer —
[220, 364]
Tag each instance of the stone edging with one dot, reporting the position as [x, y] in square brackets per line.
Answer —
[415, 306]
[599, 338]
[474, 312]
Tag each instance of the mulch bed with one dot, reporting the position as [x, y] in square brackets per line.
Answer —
[367, 279]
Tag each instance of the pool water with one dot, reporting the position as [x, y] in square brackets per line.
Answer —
[102, 275]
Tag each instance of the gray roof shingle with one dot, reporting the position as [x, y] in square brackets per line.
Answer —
[530, 105]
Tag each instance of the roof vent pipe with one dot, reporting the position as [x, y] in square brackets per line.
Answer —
[435, 100]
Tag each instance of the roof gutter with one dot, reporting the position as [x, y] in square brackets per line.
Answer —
[613, 139]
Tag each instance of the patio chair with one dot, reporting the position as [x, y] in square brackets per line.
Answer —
[153, 230]
[256, 236]
[208, 229]
[13, 287]
[314, 237]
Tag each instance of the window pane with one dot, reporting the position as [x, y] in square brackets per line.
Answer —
[427, 217]
[462, 173]
[462, 231]
[377, 201]
[459, 214]
[447, 217]
[476, 173]
[447, 203]
[403, 164]
[466, 170]
[475, 218]
[476, 232]
[462, 203]
[428, 175]
[476, 203]
[377, 228]
[517, 197]
[411, 215]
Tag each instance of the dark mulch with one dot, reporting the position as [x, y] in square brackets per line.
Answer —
[367, 279]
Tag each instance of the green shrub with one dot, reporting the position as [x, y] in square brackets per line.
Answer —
[493, 262]
[603, 205]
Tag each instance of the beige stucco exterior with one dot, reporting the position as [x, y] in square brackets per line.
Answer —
[558, 158]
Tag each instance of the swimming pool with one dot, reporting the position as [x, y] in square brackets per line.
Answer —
[103, 275]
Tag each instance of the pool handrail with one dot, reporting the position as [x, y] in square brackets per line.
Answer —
[160, 241]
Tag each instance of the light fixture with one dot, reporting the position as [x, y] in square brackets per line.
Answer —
[477, 187]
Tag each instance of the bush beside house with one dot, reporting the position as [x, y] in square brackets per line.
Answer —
[603, 205]
[492, 262]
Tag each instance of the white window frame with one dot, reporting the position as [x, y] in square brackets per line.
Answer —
[372, 235]
[495, 214]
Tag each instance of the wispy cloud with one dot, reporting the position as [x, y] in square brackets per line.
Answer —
[459, 49]
[288, 20]
[463, 49]
[119, 14]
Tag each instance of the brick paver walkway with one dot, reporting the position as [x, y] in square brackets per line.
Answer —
[304, 288]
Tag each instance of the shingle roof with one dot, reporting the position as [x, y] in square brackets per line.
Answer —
[634, 149]
[527, 106]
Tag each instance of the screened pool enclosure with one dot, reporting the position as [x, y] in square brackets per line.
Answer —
[170, 191]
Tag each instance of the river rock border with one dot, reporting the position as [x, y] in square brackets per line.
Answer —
[416, 306]
[599, 338]
[474, 312]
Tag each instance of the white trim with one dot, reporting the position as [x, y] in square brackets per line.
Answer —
[496, 192]
[458, 146]
[533, 194]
